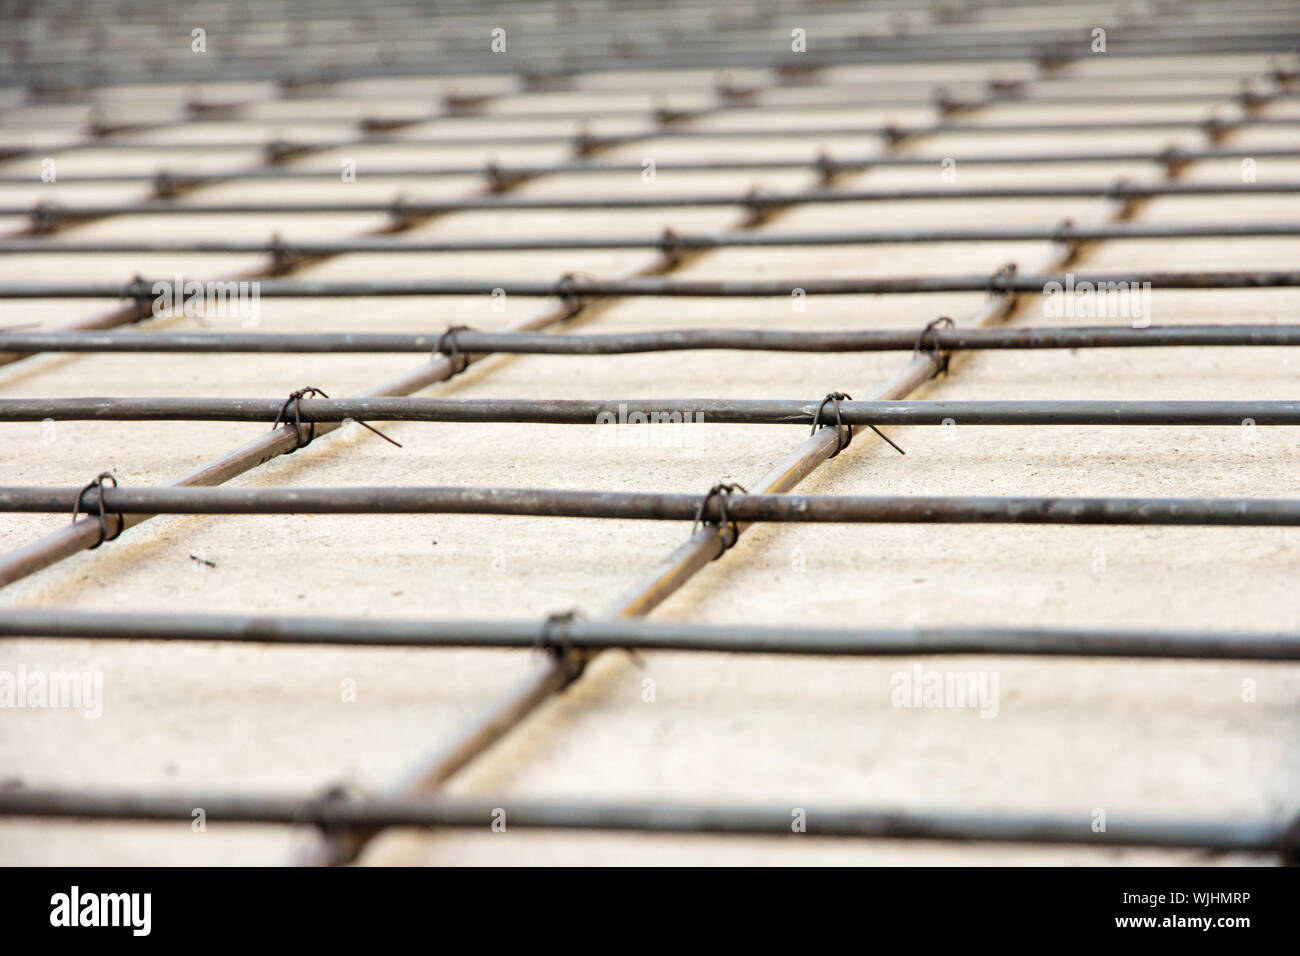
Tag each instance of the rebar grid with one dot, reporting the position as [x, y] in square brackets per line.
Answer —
[349, 826]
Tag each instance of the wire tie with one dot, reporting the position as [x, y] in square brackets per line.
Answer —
[279, 150]
[670, 247]
[498, 179]
[893, 135]
[1064, 236]
[138, 291]
[944, 103]
[758, 210]
[724, 523]
[566, 291]
[553, 639]
[295, 399]
[665, 115]
[1173, 159]
[1006, 88]
[844, 433]
[1000, 283]
[400, 215]
[281, 255]
[448, 346]
[165, 185]
[584, 144]
[312, 811]
[1119, 193]
[45, 218]
[827, 168]
[937, 355]
[78, 506]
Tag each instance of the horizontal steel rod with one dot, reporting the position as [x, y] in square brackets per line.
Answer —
[333, 813]
[643, 635]
[168, 292]
[1121, 190]
[795, 134]
[541, 343]
[316, 89]
[1027, 98]
[683, 241]
[893, 49]
[643, 35]
[654, 506]
[639, 411]
[825, 163]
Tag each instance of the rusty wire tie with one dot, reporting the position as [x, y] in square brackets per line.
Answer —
[45, 218]
[399, 213]
[1216, 128]
[278, 151]
[295, 399]
[670, 247]
[893, 135]
[167, 185]
[585, 144]
[1173, 159]
[1063, 235]
[758, 210]
[138, 291]
[553, 640]
[720, 491]
[565, 290]
[448, 346]
[827, 168]
[1127, 201]
[1000, 283]
[311, 811]
[78, 507]
[498, 179]
[844, 433]
[282, 255]
[937, 355]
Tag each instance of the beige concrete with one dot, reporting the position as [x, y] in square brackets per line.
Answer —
[1070, 736]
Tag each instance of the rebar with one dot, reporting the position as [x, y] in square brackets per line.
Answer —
[542, 343]
[482, 203]
[647, 411]
[644, 635]
[331, 813]
[1065, 232]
